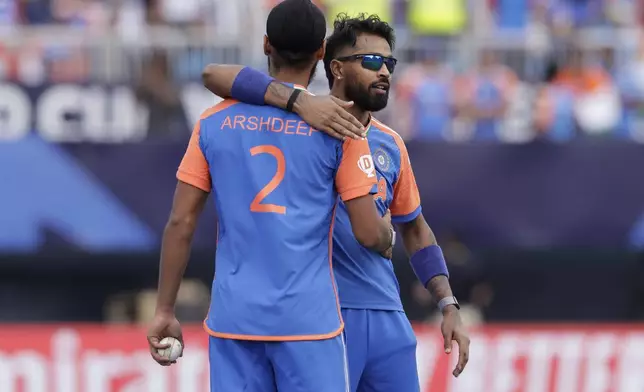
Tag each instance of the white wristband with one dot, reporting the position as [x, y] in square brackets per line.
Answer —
[443, 303]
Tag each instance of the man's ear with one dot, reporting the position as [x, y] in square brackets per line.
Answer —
[268, 49]
[337, 69]
[319, 55]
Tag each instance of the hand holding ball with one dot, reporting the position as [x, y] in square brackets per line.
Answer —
[174, 350]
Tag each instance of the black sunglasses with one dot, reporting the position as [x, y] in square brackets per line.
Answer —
[372, 62]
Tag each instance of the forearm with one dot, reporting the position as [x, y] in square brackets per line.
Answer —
[385, 237]
[370, 229]
[417, 235]
[378, 241]
[175, 253]
[439, 287]
[278, 94]
[219, 80]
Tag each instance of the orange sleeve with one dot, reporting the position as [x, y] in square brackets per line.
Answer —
[405, 205]
[194, 169]
[356, 175]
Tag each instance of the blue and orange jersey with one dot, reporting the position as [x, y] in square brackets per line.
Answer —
[275, 182]
[365, 279]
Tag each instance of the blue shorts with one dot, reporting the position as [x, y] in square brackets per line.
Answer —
[381, 348]
[302, 366]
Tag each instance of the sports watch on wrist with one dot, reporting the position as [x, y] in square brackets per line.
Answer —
[443, 303]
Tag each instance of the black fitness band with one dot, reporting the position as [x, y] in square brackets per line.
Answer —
[291, 101]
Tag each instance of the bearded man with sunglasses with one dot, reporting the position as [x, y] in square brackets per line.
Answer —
[381, 345]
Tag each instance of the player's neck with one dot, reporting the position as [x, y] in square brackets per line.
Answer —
[362, 115]
[293, 77]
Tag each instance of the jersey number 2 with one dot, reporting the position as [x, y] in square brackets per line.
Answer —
[256, 205]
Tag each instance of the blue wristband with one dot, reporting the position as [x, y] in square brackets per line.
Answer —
[428, 263]
[250, 86]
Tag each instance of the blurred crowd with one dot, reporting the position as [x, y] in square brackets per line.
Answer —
[489, 70]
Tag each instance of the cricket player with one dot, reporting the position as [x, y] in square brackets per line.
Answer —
[275, 322]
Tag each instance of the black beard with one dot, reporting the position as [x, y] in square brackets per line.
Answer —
[365, 99]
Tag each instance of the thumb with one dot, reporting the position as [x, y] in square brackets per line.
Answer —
[447, 342]
[344, 104]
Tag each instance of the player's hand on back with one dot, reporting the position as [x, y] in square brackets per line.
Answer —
[163, 325]
[329, 115]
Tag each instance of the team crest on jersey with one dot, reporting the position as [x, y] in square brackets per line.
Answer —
[382, 159]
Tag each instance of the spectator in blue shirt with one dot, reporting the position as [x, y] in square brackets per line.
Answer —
[554, 118]
[431, 102]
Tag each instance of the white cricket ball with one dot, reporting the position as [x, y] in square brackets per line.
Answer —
[173, 352]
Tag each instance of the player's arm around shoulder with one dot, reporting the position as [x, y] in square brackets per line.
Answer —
[219, 78]
[356, 183]
[329, 114]
[324, 113]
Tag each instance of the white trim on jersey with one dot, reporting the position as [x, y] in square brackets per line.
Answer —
[347, 383]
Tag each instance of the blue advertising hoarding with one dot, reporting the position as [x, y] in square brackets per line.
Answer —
[108, 189]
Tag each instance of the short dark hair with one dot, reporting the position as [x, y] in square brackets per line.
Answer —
[345, 34]
[296, 30]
